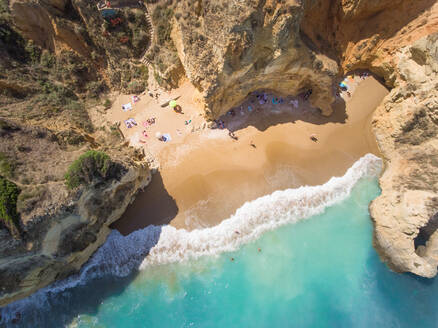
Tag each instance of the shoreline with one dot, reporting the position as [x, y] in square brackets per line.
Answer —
[204, 175]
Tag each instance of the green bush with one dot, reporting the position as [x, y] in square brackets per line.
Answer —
[6, 166]
[94, 88]
[136, 87]
[47, 60]
[8, 205]
[162, 17]
[93, 164]
[107, 104]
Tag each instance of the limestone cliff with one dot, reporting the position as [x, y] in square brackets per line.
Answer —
[406, 127]
[63, 229]
[231, 48]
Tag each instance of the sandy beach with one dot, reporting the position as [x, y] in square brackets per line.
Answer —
[204, 175]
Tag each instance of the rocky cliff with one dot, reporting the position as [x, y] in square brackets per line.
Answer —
[59, 228]
[406, 127]
[231, 48]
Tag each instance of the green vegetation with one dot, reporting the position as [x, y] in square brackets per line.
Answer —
[136, 87]
[8, 206]
[162, 17]
[93, 164]
[6, 166]
[107, 104]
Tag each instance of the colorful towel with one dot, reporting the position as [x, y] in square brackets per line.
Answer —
[128, 124]
[167, 137]
[127, 107]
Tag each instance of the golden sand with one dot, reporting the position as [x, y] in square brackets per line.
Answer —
[205, 175]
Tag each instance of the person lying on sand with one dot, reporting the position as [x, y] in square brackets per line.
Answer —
[178, 109]
[132, 121]
[314, 137]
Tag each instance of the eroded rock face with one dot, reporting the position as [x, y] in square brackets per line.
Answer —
[67, 240]
[406, 128]
[231, 48]
[39, 23]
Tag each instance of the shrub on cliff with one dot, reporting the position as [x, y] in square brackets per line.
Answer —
[89, 166]
[162, 17]
[8, 206]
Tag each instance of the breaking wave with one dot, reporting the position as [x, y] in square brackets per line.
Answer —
[156, 245]
[258, 216]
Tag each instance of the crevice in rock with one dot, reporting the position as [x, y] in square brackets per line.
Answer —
[426, 231]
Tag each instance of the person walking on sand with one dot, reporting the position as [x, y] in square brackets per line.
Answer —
[232, 135]
[314, 137]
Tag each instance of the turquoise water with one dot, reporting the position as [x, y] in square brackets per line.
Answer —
[320, 272]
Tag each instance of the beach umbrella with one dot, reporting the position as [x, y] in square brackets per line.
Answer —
[172, 104]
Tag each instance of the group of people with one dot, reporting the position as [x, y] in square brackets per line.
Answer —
[146, 124]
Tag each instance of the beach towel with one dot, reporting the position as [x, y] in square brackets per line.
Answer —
[127, 107]
[132, 121]
[167, 137]
[128, 124]
[135, 99]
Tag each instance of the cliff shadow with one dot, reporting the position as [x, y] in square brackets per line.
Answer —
[152, 206]
[291, 109]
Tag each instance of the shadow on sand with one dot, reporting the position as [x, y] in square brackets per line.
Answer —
[154, 206]
[264, 116]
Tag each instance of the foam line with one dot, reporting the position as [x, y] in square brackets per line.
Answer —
[258, 216]
[156, 245]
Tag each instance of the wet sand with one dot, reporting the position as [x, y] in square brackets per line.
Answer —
[206, 175]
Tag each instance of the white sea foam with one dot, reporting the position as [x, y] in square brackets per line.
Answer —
[153, 245]
[258, 216]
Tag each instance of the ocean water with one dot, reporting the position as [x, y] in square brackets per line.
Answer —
[296, 258]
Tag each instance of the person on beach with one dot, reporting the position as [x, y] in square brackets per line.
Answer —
[307, 94]
[252, 144]
[314, 137]
[178, 109]
[232, 135]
